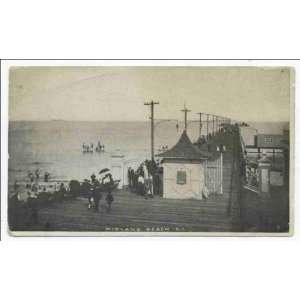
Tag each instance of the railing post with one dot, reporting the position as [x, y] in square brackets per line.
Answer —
[264, 167]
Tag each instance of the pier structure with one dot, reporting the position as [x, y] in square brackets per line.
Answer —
[231, 207]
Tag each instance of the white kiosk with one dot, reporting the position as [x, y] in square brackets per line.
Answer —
[118, 169]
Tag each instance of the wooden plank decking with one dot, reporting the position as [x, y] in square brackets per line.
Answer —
[134, 211]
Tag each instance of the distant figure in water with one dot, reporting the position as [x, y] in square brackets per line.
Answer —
[34, 187]
[99, 147]
[31, 177]
[46, 176]
[37, 174]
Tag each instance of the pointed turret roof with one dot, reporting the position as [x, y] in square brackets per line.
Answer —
[184, 149]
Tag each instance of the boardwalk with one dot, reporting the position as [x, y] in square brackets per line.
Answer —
[133, 212]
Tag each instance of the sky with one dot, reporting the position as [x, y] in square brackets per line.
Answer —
[118, 93]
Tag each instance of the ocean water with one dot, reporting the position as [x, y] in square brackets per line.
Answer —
[56, 146]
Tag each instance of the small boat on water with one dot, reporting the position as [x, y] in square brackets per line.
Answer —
[90, 148]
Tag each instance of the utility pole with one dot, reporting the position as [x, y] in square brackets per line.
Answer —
[207, 119]
[213, 124]
[200, 125]
[185, 110]
[152, 103]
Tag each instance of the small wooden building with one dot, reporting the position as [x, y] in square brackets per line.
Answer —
[183, 170]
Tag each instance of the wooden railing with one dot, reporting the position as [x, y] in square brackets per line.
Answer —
[235, 199]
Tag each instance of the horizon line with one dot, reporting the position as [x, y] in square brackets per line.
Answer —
[196, 120]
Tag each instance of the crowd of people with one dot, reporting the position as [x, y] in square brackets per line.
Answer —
[146, 179]
[36, 176]
[37, 196]
[94, 189]
[89, 148]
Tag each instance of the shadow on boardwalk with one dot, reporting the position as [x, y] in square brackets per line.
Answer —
[134, 213]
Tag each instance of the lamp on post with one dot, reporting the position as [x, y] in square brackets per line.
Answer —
[221, 149]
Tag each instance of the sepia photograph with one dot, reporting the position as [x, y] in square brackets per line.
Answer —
[150, 150]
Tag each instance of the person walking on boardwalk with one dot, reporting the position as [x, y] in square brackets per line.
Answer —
[93, 178]
[146, 179]
[88, 189]
[150, 190]
[32, 206]
[62, 191]
[109, 199]
[107, 180]
[135, 176]
[141, 185]
[97, 197]
[130, 178]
